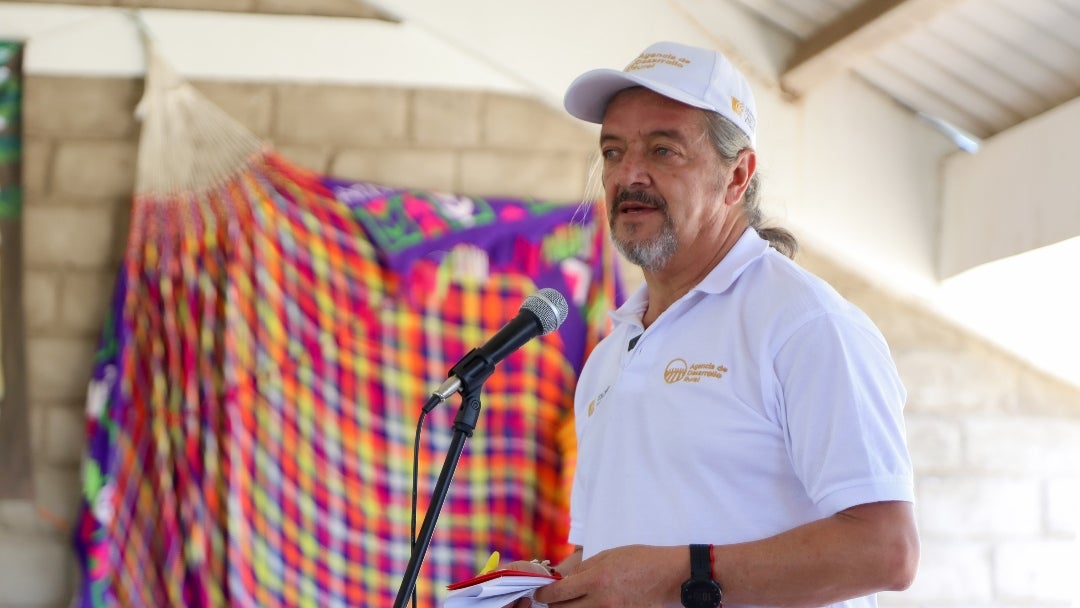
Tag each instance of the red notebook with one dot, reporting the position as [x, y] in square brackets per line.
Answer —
[483, 578]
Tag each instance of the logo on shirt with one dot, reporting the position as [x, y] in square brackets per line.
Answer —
[678, 370]
[596, 402]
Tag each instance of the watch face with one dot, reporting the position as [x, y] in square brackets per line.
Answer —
[700, 594]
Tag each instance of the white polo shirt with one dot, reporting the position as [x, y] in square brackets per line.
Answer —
[760, 401]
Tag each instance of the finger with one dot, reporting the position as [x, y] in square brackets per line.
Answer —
[559, 591]
[525, 566]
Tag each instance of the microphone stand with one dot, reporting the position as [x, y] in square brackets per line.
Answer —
[464, 425]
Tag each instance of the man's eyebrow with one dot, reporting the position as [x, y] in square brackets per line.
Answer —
[669, 134]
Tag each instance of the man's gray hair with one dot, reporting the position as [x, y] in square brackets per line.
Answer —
[729, 141]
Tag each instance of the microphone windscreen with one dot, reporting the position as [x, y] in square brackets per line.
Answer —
[549, 306]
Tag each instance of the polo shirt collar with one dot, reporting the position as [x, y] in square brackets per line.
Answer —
[746, 250]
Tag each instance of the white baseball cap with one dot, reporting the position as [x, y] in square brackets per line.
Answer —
[702, 78]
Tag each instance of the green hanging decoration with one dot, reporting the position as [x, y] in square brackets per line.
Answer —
[10, 129]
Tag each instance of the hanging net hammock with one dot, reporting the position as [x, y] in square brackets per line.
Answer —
[273, 335]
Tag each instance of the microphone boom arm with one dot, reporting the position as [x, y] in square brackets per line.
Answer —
[464, 424]
[540, 314]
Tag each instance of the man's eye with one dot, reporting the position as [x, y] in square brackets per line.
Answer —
[662, 151]
[609, 153]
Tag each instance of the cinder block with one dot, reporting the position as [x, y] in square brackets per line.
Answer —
[967, 507]
[1038, 571]
[527, 124]
[94, 169]
[947, 381]
[313, 157]
[402, 168]
[85, 301]
[59, 368]
[550, 176]
[65, 436]
[36, 160]
[935, 444]
[1022, 445]
[20, 516]
[59, 490]
[1042, 394]
[342, 115]
[249, 104]
[1063, 506]
[67, 237]
[446, 118]
[81, 107]
[39, 426]
[41, 299]
[35, 570]
[954, 573]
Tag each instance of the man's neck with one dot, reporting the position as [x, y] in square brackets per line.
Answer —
[667, 285]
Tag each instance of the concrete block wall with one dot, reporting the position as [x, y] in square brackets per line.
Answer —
[996, 444]
[996, 448]
[81, 143]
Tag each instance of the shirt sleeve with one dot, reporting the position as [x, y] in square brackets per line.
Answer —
[842, 403]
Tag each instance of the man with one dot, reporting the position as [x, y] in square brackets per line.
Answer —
[740, 430]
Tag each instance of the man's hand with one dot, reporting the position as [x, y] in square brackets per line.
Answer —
[525, 567]
[628, 577]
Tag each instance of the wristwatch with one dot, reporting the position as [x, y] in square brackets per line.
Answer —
[700, 590]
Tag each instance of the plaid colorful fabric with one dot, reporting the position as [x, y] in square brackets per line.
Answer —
[252, 412]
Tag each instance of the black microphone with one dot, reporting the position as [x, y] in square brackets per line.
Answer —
[540, 314]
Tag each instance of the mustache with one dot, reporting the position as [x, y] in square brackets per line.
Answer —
[640, 196]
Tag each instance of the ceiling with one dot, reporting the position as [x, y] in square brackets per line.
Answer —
[989, 238]
[1000, 78]
[977, 70]
[981, 66]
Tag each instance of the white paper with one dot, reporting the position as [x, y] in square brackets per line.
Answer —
[497, 592]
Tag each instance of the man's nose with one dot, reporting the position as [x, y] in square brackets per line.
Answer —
[632, 170]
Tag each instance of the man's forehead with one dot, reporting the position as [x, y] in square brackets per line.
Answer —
[645, 111]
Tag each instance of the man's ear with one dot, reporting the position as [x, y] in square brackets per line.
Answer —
[741, 171]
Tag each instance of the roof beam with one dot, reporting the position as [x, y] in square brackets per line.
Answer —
[855, 36]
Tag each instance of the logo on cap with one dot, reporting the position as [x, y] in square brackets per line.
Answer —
[743, 112]
[647, 61]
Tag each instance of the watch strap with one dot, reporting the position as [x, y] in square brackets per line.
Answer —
[701, 562]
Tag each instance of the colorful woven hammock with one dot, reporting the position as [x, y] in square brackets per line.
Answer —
[273, 335]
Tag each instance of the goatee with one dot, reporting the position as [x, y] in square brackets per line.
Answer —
[650, 254]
